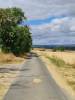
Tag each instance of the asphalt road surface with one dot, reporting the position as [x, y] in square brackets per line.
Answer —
[35, 83]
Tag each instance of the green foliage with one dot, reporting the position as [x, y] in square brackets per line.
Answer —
[21, 40]
[11, 15]
[61, 48]
[14, 38]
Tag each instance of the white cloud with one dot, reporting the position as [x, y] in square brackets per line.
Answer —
[43, 9]
[57, 25]
[72, 24]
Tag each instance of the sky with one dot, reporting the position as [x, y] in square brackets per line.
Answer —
[51, 21]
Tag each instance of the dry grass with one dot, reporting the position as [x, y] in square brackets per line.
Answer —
[68, 57]
[9, 58]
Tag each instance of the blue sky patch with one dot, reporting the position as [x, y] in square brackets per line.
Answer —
[40, 21]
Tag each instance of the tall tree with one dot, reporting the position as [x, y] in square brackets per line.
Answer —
[14, 38]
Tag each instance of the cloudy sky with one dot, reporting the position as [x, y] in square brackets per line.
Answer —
[51, 21]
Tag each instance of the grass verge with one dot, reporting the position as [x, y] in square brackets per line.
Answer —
[57, 61]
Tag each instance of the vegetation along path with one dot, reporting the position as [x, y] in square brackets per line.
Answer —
[35, 83]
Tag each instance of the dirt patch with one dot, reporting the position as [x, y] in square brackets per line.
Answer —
[8, 73]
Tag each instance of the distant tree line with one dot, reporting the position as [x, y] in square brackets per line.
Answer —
[14, 37]
[56, 47]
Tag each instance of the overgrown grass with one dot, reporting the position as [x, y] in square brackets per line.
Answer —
[57, 61]
[9, 58]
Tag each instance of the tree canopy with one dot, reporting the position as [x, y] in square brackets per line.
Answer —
[14, 38]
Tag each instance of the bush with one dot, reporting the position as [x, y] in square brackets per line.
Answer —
[61, 48]
[54, 49]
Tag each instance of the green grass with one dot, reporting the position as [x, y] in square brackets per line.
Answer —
[57, 61]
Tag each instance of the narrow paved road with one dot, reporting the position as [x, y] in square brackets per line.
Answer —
[35, 83]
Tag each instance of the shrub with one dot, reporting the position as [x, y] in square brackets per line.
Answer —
[54, 49]
[61, 48]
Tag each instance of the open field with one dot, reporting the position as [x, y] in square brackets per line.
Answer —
[63, 62]
[9, 69]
